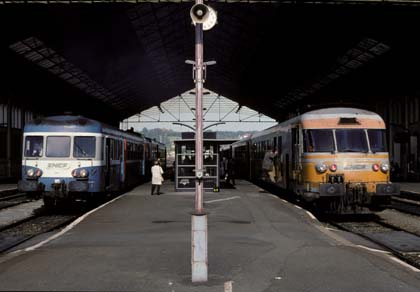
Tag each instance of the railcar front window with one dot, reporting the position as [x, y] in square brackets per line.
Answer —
[319, 141]
[58, 146]
[377, 140]
[84, 147]
[351, 140]
[34, 146]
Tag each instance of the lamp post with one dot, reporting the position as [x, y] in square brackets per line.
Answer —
[201, 15]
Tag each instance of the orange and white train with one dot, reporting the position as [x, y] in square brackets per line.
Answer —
[336, 158]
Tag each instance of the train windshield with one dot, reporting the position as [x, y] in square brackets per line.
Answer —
[58, 146]
[319, 141]
[34, 146]
[84, 147]
[377, 140]
[351, 140]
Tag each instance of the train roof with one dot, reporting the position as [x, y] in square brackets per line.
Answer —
[333, 113]
[63, 124]
[68, 123]
[339, 117]
[340, 111]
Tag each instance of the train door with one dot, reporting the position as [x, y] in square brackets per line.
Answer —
[107, 163]
[123, 153]
[279, 160]
[287, 171]
[276, 160]
[248, 159]
[296, 155]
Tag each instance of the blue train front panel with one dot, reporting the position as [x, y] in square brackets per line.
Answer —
[69, 156]
[61, 163]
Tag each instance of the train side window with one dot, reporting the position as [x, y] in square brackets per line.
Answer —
[141, 151]
[279, 145]
[114, 149]
[127, 150]
[111, 149]
[295, 136]
[115, 154]
[130, 151]
[103, 146]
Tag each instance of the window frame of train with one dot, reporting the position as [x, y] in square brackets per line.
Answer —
[296, 153]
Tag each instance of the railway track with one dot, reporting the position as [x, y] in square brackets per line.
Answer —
[403, 244]
[13, 200]
[24, 230]
[407, 203]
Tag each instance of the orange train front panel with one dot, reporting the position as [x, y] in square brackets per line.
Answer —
[333, 175]
[366, 169]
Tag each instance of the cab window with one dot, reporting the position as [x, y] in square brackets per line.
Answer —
[319, 140]
[34, 146]
[58, 146]
[84, 146]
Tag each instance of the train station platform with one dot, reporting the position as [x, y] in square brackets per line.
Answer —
[257, 242]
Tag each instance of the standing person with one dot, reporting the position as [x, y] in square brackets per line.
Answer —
[268, 164]
[157, 177]
[223, 168]
[230, 171]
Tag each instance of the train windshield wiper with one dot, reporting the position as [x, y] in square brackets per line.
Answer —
[83, 152]
[352, 150]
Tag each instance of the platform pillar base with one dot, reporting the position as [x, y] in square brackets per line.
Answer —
[199, 266]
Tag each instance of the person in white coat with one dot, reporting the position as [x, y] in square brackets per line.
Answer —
[157, 177]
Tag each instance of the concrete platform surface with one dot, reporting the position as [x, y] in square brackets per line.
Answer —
[142, 243]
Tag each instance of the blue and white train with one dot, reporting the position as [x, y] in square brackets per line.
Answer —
[72, 157]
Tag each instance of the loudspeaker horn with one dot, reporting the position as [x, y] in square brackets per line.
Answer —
[199, 13]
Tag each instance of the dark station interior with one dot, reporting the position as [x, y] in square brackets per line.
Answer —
[108, 61]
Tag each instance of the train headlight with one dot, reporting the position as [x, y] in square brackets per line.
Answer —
[80, 173]
[375, 167]
[384, 167]
[333, 167]
[321, 167]
[34, 173]
[84, 173]
[30, 172]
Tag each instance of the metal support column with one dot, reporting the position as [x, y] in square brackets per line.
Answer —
[199, 116]
[199, 218]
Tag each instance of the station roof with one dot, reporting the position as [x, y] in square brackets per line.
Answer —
[112, 60]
